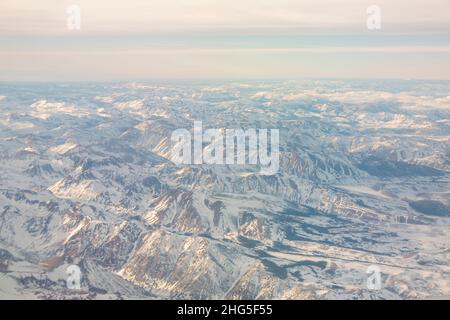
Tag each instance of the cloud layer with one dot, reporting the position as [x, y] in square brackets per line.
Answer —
[140, 16]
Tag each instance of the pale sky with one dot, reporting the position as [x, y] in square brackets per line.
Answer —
[152, 39]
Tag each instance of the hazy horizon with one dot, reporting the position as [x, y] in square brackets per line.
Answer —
[203, 40]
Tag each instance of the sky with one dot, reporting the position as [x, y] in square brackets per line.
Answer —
[230, 39]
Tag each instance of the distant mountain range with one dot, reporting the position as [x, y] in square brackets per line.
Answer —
[364, 179]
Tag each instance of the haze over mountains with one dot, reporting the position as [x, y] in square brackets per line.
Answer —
[364, 179]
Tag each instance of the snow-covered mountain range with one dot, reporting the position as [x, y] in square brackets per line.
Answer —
[364, 179]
